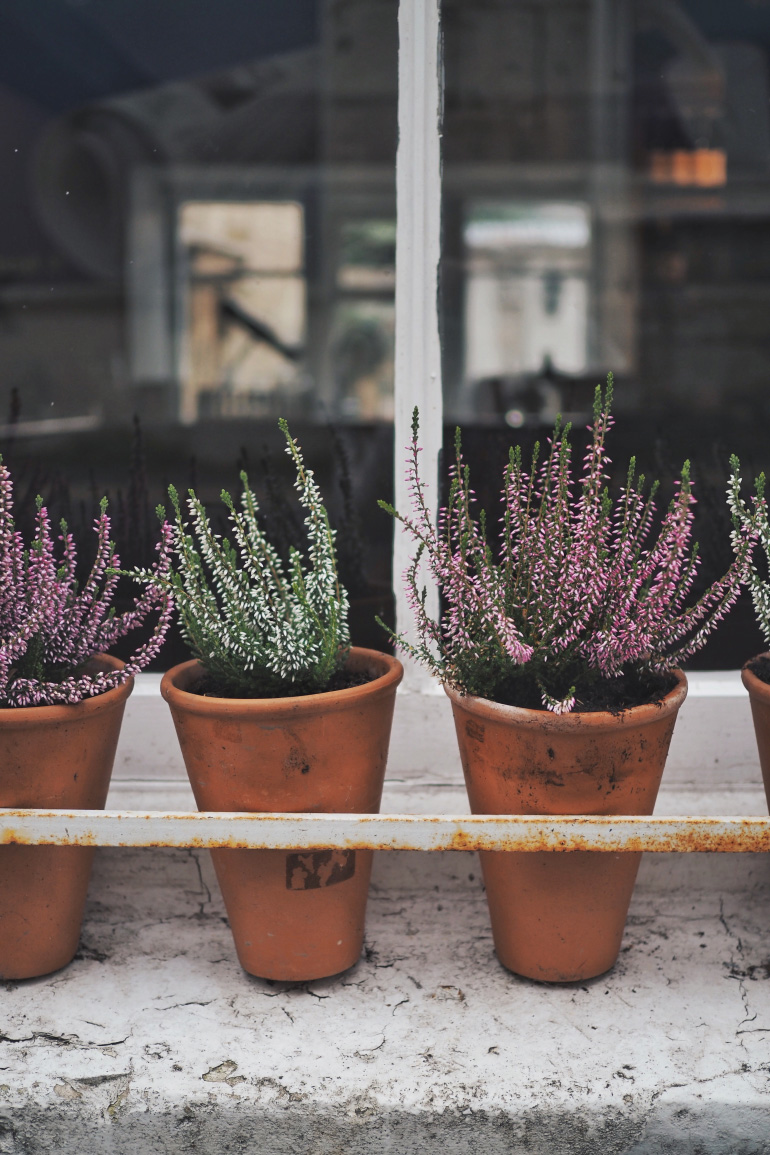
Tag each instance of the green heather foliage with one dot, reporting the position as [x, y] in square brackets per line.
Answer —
[259, 627]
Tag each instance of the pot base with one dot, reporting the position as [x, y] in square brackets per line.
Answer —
[295, 916]
[41, 912]
[560, 922]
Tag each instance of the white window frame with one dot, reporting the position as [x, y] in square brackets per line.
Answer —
[418, 251]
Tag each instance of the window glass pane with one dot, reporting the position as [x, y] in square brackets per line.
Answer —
[606, 207]
[197, 232]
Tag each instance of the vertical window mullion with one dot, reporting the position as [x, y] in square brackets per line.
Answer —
[418, 249]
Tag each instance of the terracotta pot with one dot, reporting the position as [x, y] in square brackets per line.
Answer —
[57, 757]
[560, 917]
[294, 916]
[759, 696]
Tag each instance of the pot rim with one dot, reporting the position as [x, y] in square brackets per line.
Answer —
[19, 717]
[325, 702]
[596, 720]
[755, 686]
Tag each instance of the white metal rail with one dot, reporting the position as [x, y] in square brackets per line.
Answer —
[559, 833]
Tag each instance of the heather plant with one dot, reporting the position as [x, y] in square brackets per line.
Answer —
[260, 626]
[51, 626]
[741, 514]
[581, 591]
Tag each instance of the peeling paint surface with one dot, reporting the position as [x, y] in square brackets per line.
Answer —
[155, 1039]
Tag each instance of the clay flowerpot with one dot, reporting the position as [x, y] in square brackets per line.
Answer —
[294, 916]
[559, 917]
[52, 757]
[759, 696]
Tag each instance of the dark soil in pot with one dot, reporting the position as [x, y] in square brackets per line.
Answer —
[208, 687]
[632, 688]
[760, 667]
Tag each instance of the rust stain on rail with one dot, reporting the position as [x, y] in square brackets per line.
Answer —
[12, 837]
[701, 835]
[464, 840]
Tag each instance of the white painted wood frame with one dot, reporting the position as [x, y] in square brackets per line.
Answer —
[418, 251]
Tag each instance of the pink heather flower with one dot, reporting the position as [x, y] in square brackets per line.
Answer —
[577, 588]
[49, 629]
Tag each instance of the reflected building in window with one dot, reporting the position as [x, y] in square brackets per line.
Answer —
[243, 323]
[526, 306]
[643, 127]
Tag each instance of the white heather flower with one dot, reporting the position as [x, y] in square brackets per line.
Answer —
[260, 626]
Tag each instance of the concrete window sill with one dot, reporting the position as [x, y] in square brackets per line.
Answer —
[154, 1038]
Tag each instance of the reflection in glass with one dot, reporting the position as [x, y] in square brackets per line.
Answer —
[362, 339]
[121, 119]
[245, 318]
[526, 304]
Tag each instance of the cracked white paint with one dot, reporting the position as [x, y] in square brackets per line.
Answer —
[157, 1021]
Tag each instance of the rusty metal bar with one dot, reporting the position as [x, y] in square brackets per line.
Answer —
[383, 831]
